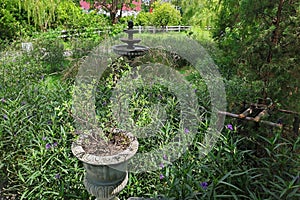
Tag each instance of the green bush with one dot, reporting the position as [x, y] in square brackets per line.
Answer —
[82, 47]
[144, 19]
[12, 21]
[165, 14]
[71, 16]
[49, 49]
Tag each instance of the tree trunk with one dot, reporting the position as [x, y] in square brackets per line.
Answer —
[113, 16]
[114, 11]
[274, 41]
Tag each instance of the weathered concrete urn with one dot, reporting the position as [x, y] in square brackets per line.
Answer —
[105, 176]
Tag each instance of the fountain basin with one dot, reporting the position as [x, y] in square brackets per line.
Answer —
[138, 50]
[133, 41]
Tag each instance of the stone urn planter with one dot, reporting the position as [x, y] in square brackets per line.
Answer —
[106, 168]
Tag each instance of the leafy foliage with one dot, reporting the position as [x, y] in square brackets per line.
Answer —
[70, 16]
[198, 13]
[41, 13]
[24, 18]
[164, 14]
[12, 21]
[144, 19]
[260, 39]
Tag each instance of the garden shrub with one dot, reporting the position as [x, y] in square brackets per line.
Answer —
[144, 19]
[67, 14]
[51, 52]
[82, 46]
[165, 14]
[12, 21]
[71, 16]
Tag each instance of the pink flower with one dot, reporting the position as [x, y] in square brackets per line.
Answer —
[85, 5]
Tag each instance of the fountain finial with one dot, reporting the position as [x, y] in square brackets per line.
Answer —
[130, 24]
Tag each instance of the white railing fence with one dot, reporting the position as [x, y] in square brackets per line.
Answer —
[153, 29]
[142, 29]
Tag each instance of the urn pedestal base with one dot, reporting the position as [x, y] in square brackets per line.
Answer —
[105, 189]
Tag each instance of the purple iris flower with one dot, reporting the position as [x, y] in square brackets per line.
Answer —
[204, 185]
[161, 176]
[57, 176]
[229, 126]
[165, 157]
[186, 130]
[48, 146]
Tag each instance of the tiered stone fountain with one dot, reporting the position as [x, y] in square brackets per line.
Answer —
[131, 50]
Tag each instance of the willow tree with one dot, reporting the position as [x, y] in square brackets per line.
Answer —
[198, 12]
[40, 12]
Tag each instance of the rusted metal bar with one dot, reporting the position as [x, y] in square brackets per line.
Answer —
[288, 111]
[250, 119]
[246, 113]
[260, 115]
